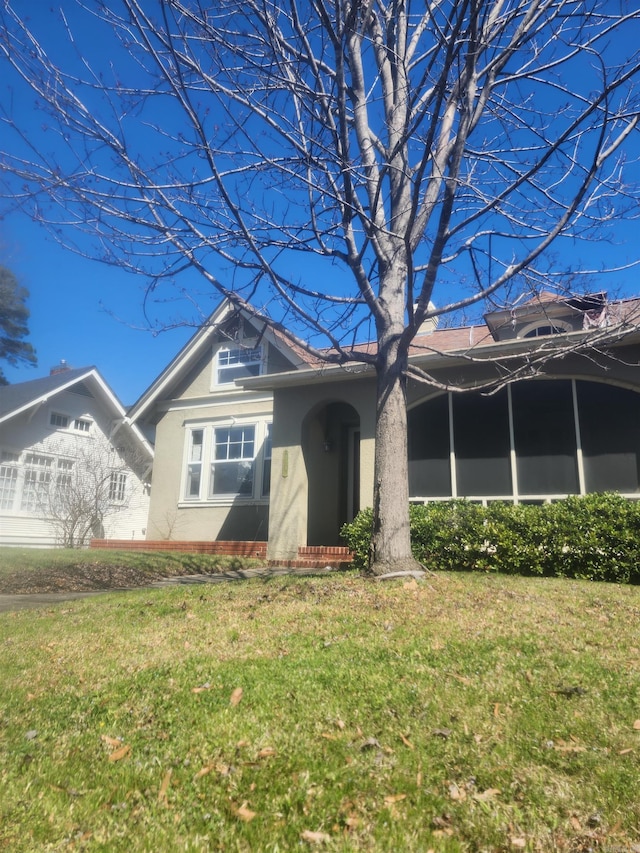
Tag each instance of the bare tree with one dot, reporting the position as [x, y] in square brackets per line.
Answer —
[432, 151]
[91, 483]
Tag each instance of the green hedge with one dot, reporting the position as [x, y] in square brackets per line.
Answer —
[596, 537]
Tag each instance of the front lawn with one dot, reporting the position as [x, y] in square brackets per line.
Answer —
[468, 712]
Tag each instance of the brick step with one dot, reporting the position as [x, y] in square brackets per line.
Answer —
[308, 564]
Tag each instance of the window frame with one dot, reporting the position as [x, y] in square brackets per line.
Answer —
[65, 420]
[206, 495]
[118, 487]
[9, 485]
[239, 367]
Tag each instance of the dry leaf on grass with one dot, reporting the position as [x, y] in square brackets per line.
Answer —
[315, 837]
[267, 752]
[489, 794]
[236, 696]
[111, 741]
[395, 798]
[121, 753]
[636, 725]
[457, 793]
[201, 688]
[164, 787]
[405, 740]
[244, 813]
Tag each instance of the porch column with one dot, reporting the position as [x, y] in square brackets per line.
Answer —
[288, 500]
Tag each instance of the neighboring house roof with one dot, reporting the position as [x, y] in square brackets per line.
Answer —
[23, 396]
[291, 346]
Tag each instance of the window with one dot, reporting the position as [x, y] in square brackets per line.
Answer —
[541, 329]
[37, 479]
[232, 470]
[82, 425]
[63, 476]
[8, 478]
[235, 363]
[117, 486]
[266, 463]
[58, 420]
[223, 463]
[194, 467]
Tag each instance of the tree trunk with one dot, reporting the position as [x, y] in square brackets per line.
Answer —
[391, 543]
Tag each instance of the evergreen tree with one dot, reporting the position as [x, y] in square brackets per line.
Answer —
[14, 315]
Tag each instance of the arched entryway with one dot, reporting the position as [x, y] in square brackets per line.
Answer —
[331, 449]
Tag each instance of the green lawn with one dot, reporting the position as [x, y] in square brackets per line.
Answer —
[470, 712]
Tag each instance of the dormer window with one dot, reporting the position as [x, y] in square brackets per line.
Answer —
[539, 330]
[237, 362]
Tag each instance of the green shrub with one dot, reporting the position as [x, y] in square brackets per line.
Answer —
[595, 537]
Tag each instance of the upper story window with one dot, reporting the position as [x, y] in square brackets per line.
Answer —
[237, 362]
[58, 420]
[82, 425]
[539, 330]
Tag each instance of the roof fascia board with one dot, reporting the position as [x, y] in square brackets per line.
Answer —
[356, 370]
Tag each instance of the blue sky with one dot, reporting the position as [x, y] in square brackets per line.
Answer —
[91, 314]
[73, 302]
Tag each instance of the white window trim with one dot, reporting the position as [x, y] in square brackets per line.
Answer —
[250, 345]
[208, 427]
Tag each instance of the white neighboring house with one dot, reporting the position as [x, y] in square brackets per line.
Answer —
[72, 466]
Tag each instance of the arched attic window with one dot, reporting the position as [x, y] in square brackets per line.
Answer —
[547, 327]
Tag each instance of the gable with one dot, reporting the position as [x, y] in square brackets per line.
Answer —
[233, 344]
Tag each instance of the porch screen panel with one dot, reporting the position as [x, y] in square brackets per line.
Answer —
[610, 437]
[545, 437]
[481, 443]
[429, 464]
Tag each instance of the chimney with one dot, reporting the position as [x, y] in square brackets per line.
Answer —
[59, 368]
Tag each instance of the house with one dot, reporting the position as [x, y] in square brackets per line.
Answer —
[256, 440]
[71, 464]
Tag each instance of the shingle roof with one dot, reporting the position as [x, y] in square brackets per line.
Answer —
[15, 397]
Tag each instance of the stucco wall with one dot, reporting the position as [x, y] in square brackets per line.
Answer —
[293, 469]
[172, 517]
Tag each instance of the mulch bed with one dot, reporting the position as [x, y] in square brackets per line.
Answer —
[81, 577]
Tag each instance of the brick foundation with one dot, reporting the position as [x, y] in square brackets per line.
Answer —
[309, 556]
